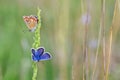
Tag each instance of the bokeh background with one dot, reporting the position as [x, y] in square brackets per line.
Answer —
[62, 34]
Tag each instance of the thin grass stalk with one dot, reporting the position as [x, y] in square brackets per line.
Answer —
[101, 35]
[110, 41]
[97, 51]
[109, 54]
[85, 48]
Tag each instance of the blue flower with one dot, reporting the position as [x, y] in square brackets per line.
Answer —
[40, 55]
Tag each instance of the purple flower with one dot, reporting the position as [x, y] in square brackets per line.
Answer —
[40, 55]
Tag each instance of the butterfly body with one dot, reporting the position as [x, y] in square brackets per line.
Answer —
[31, 22]
[40, 55]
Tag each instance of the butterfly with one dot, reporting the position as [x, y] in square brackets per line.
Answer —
[40, 55]
[31, 22]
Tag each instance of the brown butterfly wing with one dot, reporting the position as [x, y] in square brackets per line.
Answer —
[31, 21]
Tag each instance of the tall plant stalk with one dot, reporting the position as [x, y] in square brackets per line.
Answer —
[85, 47]
[101, 36]
[36, 44]
[116, 11]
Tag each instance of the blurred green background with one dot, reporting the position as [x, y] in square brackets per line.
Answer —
[62, 34]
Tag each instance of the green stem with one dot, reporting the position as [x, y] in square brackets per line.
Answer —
[36, 44]
[35, 70]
